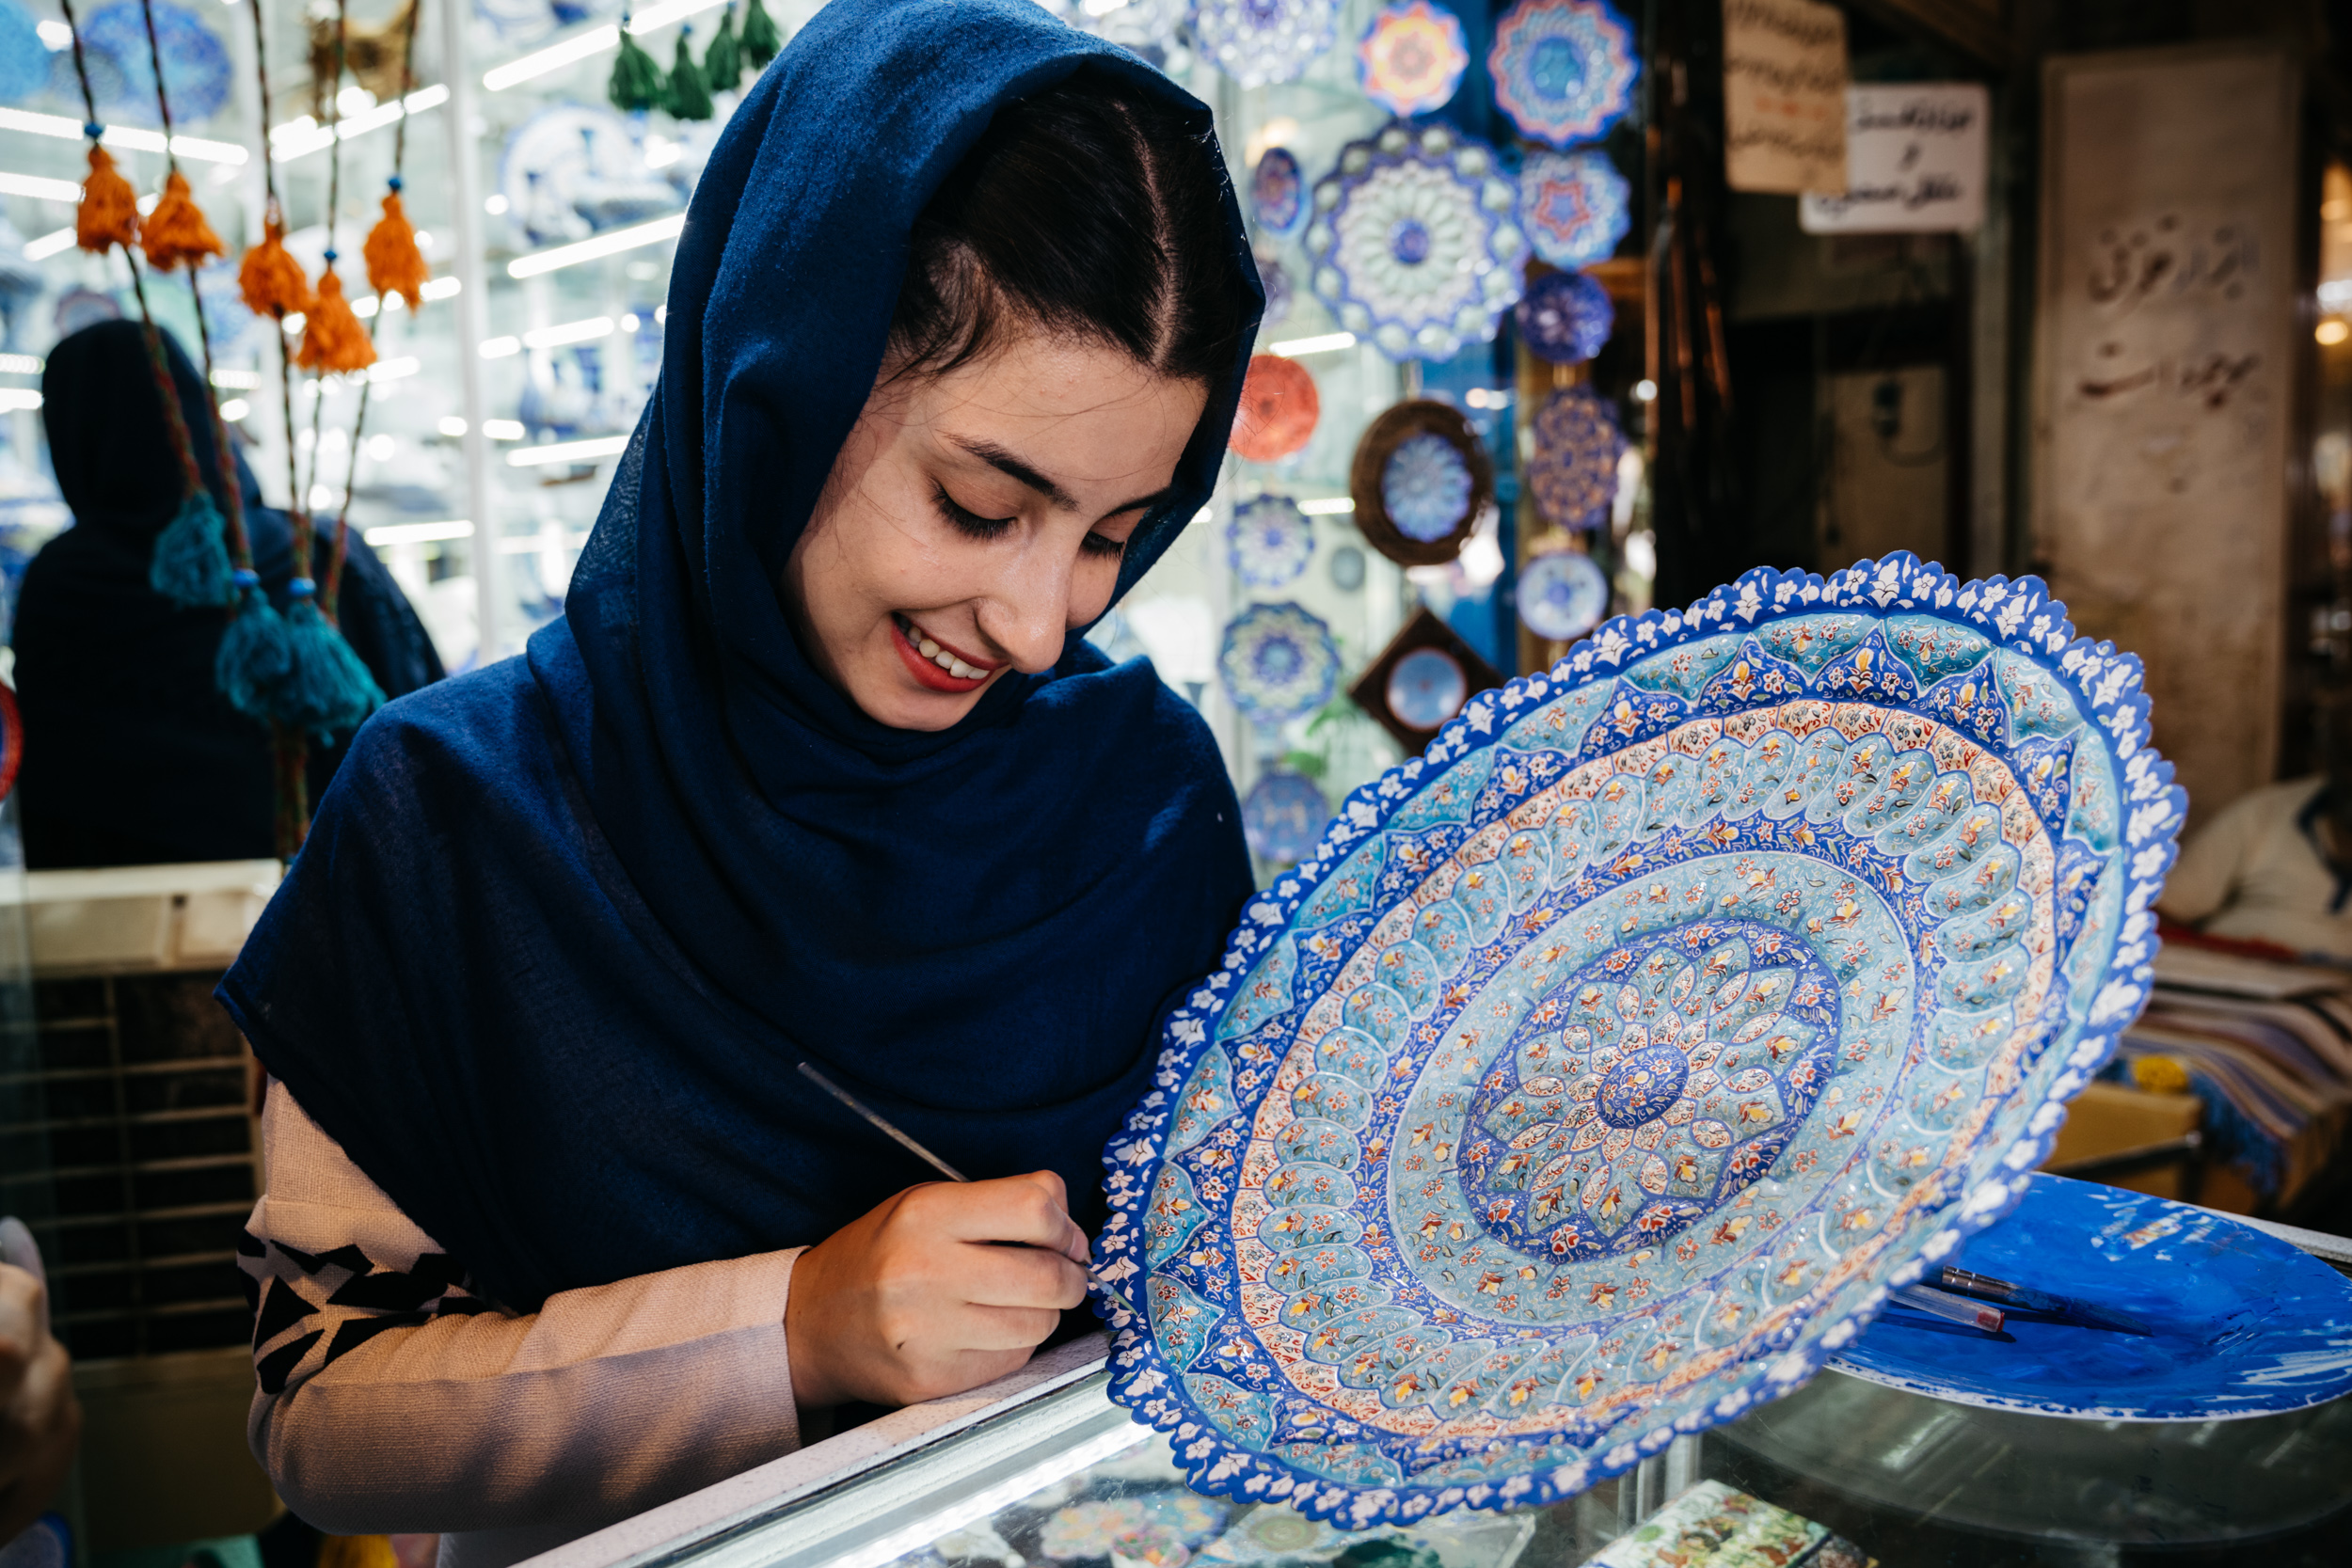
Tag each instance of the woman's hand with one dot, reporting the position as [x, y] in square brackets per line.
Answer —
[919, 1298]
[40, 1418]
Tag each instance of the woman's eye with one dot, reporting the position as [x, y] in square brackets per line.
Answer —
[1096, 544]
[964, 519]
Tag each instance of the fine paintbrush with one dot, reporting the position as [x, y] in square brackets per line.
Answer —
[882, 1125]
[2020, 1298]
[1943, 1304]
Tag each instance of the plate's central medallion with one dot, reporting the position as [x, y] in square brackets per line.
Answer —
[1643, 1086]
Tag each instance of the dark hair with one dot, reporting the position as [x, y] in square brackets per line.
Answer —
[1091, 208]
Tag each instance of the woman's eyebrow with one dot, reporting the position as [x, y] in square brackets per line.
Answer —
[1006, 462]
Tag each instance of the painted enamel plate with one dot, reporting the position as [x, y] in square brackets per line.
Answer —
[1603, 1068]
[2237, 1322]
[1279, 662]
[1564, 70]
[1411, 58]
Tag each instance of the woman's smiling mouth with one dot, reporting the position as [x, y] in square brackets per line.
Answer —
[935, 665]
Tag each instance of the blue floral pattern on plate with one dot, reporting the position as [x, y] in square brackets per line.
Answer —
[1277, 192]
[1565, 318]
[1563, 594]
[1426, 688]
[2240, 1322]
[1575, 205]
[1415, 241]
[1564, 70]
[1425, 486]
[197, 71]
[1574, 470]
[1278, 662]
[1258, 42]
[1269, 541]
[1604, 1068]
[1282, 816]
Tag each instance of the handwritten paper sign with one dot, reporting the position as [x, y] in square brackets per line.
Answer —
[1784, 96]
[1915, 162]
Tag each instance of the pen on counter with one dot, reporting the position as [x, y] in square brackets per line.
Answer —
[1943, 1304]
[2020, 1298]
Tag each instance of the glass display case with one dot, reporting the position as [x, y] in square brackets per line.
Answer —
[1044, 1469]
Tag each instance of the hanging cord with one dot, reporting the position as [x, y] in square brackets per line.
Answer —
[271, 279]
[331, 585]
[303, 532]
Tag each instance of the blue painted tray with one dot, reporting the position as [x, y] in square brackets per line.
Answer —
[2242, 1323]
[1603, 1068]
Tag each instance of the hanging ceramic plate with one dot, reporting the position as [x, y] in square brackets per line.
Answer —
[1282, 816]
[1415, 241]
[23, 59]
[1411, 58]
[1277, 192]
[1420, 479]
[1279, 409]
[1269, 541]
[573, 170]
[197, 71]
[1279, 662]
[1575, 205]
[1562, 596]
[1565, 318]
[1603, 1069]
[1564, 70]
[2239, 1322]
[1426, 688]
[1257, 42]
[1574, 471]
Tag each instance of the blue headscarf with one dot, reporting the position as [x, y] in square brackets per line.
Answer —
[565, 928]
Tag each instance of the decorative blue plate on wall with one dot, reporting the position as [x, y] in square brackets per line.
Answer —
[1573, 472]
[1282, 816]
[1415, 241]
[1563, 594]
[1603, 1069]
[2238, 1321]
[1279, 662]
[1565, 318]
[1278, 191]
[1577, 206]
[1269, 541]
[1564, 70]
[1261, 41]
[197, 71]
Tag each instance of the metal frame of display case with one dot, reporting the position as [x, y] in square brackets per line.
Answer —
[876, 1493]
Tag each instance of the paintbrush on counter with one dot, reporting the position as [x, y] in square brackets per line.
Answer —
[2045, 1304]
[1952, 1308]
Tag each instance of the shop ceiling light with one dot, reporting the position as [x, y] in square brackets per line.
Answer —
[1330, 506]
[55, 243]
[595, 40]
[39, 187]
[503, 430]
[499, 348]
[392, 370]
[14, 397]
[1290, 348]
[569, 332]
[130, 138]
[419, 534]
[237, 381]
[609, 243]
[22, 364]
[570, 451]
[301, 137]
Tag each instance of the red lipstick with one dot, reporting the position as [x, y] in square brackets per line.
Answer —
[927, 672]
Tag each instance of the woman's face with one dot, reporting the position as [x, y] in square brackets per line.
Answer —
[972, 518]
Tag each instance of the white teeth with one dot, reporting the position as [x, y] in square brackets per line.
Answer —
[944, 659]
[961, 670]
[930, 649]
[938, 654]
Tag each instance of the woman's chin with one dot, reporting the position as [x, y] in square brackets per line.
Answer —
[895, 700]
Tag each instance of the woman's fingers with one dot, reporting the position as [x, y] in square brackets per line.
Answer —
[1032, 1209]
[1018, 1277]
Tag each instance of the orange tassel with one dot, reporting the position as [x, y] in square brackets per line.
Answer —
[176, 232]
[272, 281]
[332, 339]
[395, 265]
[109, 213]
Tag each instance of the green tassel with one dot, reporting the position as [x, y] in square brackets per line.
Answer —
[762, 42]
[722, 61]
[690, 95]
[636, 80]
[190, 566]
[255, 654]
[326, 691]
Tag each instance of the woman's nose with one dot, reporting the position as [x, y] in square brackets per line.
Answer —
[1028, 614]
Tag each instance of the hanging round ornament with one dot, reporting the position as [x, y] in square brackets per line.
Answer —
[197, 69]
[1415, 241]
[1282, 816]
[1565, 317]
[1562, 596]
[1605, 1067]
[1420, 479]
[1426, 688]
[1279, 409]
[1411, 58]
[1279, 662]
[1259, 42]
[1564, 70]
[1278, 191]
[1575, 205]
[1269, 541]
[1574, 470]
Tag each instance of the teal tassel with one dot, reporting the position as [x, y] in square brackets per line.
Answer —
[690, 94]
[722, 60]
[636, 82]
[190, 566]
[255, 653]
[326, 691]
[762, 39]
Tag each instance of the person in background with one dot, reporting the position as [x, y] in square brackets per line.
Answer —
[41, 1420]
[2275, 864]
[131, 755]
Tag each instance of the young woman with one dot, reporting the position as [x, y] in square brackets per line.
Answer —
[814, 767]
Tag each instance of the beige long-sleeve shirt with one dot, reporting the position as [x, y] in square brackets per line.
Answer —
[391, 1398]
[2253, 871]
